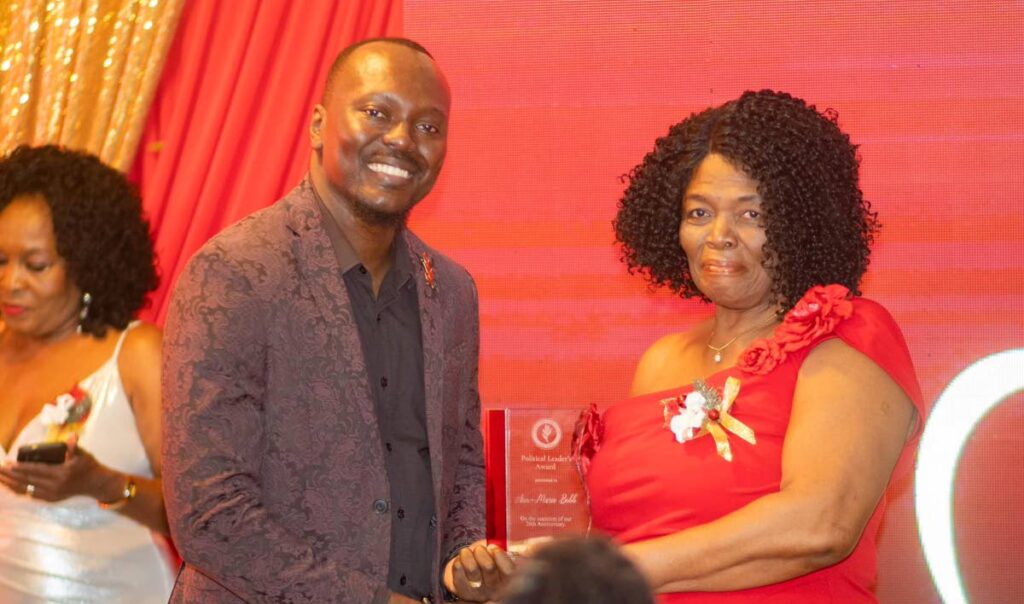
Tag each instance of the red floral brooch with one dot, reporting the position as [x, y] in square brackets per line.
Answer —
[428, 270]
[816, 314]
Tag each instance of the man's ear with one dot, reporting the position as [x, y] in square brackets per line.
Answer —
[316, 126]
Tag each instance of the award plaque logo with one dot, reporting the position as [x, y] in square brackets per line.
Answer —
[546, 433]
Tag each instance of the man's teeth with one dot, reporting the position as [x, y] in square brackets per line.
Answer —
[391, 170]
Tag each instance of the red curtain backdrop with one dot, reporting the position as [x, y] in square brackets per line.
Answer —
[226, 134]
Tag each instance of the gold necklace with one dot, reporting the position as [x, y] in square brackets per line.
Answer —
[718, 349]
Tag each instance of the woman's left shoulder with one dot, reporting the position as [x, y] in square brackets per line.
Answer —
[871, 310]
[823, 313]
[143, 341]
[870, 324]
[872, 331]
[833, 310]
[143, 338]
[139, 363]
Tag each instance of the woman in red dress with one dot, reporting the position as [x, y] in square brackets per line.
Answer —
[751, 461]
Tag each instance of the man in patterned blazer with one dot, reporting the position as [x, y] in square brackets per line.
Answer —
[321, 427]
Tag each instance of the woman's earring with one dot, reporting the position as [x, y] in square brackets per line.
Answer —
[84, 313]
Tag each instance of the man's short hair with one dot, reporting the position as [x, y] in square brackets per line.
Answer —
[339, 61]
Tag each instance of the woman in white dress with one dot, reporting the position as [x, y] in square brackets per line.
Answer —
[76, 263]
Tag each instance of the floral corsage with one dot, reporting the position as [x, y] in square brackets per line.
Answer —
[586, 438]
[705, 411]
[66, 414]
[816, 314]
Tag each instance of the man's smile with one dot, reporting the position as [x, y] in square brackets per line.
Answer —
[390, 170]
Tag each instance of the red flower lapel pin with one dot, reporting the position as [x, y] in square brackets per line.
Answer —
[428, 270]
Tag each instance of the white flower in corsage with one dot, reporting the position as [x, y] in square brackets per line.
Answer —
[57, 412]
[705, 411]
[690, 418]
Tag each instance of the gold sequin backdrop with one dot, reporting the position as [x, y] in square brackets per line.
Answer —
[81, 73]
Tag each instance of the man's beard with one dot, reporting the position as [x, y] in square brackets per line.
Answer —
[369, 215]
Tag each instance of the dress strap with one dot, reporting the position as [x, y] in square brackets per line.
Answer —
[120, 340]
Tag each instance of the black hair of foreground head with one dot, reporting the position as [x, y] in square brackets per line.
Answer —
[580, 570]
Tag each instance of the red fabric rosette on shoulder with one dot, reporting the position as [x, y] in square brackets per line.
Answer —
[816, 314]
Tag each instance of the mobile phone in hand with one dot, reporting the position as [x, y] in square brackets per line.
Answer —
[52, 453]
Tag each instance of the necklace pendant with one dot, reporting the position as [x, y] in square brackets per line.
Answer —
[718, 357]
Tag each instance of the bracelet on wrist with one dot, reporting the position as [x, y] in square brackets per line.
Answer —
[127, 494]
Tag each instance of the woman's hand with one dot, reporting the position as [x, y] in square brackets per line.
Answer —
[80, 474]
[479, 572]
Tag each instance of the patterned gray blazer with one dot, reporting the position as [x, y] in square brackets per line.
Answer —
[272, 458]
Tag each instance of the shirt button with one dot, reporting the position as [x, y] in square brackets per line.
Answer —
[401, 513]
[380, 506]
[362, 269]
[402, 580]
[384, 382]
[433, 521]
[378, 317]
[388, 447]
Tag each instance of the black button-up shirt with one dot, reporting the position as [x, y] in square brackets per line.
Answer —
[389, 330]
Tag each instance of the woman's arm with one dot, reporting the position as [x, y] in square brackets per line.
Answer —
[847, 429]
[139, 364]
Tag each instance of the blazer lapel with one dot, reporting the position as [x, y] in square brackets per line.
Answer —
[319, 271]
[432, 328]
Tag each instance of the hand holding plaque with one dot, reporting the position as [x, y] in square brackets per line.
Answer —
[478, 572]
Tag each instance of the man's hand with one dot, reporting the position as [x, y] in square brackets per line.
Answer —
[400, 599]
[479, 572]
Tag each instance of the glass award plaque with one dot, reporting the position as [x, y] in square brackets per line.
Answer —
[534, 491]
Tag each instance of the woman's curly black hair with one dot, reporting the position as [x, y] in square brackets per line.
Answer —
[819, 227]
[98, 224]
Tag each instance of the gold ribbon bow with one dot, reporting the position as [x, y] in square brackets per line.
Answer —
[716, 421]
[717, 427]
